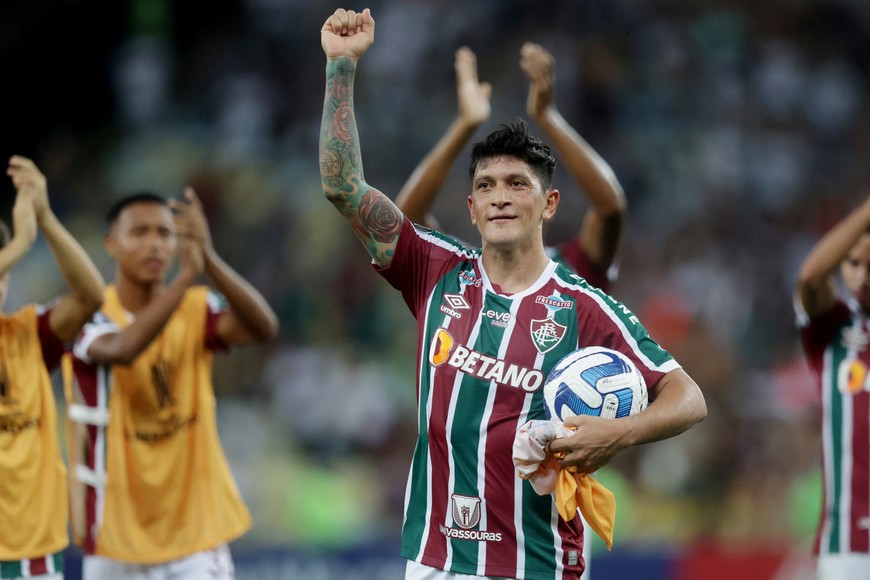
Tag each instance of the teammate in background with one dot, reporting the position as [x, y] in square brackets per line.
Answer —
[592, 252]
[491, 324]
[836, 338]
[159, 500]
[33, 511]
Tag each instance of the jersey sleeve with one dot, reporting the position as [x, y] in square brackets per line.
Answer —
[817, 333]
[52, 347]
[574, 257]
[216, 307]
[610, 323]
[421, 259]
[99, 325]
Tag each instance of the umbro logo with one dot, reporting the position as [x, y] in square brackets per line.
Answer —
[456, 301]
[452, 303]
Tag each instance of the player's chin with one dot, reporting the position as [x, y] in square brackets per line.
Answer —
[149, 276]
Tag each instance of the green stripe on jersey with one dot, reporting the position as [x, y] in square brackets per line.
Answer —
[10, 569]
[58, 561]
[412, 530]
[838, 354]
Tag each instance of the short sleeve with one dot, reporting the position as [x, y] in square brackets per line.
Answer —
[99, 325]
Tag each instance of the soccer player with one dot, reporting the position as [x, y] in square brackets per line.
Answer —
[33, 511]
[159, 500]
[491, 323]
[591, 253]
[836, 338]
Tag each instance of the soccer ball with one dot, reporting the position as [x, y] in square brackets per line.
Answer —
[594, 381]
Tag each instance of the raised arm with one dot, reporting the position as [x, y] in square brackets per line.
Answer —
[375, 220]
[24, 228]
[601, 229]
[419, 192]
[815, 284]
[83, 279]
[249, 319]
[122, 347]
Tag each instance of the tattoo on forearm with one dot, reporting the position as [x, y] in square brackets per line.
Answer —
[340, 159]
[374, 218]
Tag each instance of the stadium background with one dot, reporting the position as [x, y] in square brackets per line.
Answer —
[738, 129]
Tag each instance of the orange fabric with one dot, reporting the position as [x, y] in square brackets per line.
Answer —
[33, 491]
[571, 490]
[596, 502]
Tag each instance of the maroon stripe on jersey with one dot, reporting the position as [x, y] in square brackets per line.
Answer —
[90, 546]
[860, 540]
[572, 539]
[38, 566]
[86, 377]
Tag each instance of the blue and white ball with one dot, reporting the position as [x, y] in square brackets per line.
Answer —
[594, 381]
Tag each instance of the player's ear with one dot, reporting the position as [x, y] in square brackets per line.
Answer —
[552, 202]
[471, 210]
[110, 244]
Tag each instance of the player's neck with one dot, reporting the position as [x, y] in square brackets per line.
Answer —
[514, 269]
[135, 296]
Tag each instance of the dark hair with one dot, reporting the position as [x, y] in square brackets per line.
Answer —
[5, 234]
[138, 197]
[515, 140]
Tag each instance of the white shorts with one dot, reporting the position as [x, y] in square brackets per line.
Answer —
[215, 564]
[417, 571]
[839, 566]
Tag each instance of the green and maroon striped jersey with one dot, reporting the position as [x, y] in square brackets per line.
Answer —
[837, 347]
[481, 363]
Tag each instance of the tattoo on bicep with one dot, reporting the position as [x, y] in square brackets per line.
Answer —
[381, 218]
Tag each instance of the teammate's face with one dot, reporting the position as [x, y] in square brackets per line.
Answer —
[508, 204]
[856, 271]
[143, 242]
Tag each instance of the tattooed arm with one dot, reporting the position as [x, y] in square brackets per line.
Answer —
[375, 220]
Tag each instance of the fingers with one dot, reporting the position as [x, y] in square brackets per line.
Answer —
[366, 21]
[466, 66]
[192, 198]
[23, 172]
[348, 22]
[192, 202]
[19, 162]
[536, 62]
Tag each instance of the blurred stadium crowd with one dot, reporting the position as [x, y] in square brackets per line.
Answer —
[738, 129]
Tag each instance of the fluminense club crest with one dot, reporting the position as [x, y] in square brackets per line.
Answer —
[466, 511]
[546, 334]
